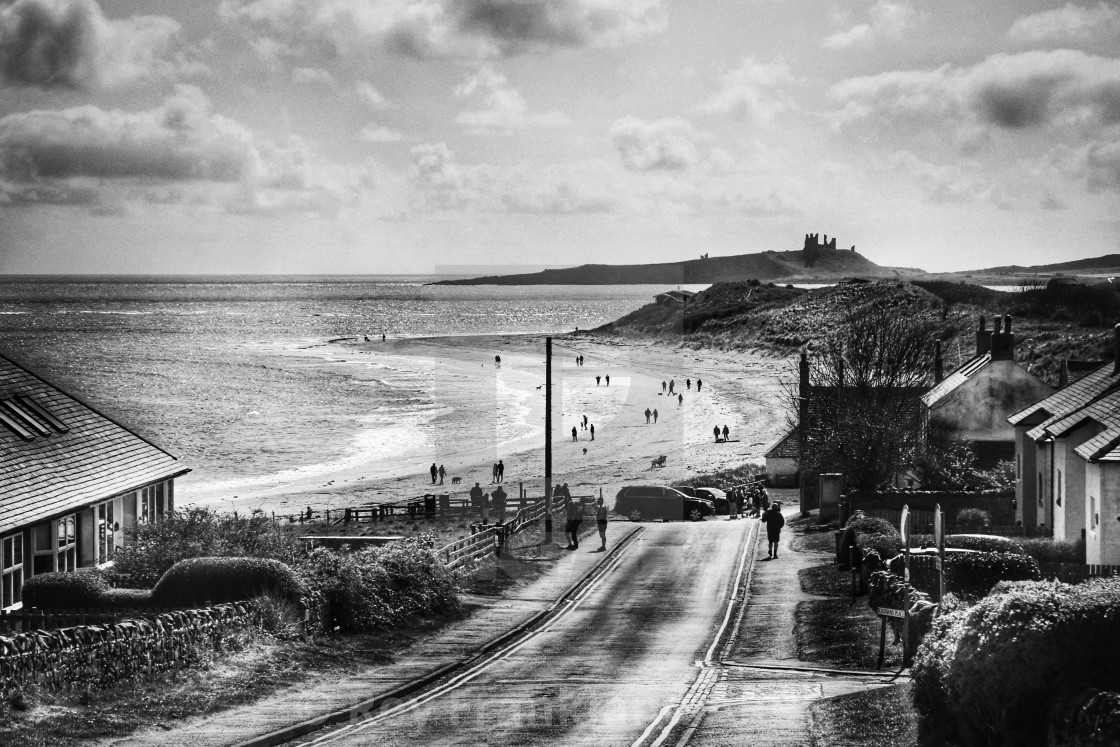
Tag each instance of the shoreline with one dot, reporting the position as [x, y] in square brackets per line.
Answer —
[741, 390]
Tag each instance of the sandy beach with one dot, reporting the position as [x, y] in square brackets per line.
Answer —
[478, 411]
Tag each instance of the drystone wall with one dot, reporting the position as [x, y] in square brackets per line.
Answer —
[97, 655]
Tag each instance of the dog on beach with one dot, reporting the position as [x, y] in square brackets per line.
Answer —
[456, 480]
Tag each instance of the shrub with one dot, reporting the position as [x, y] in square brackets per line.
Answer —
[383, 588]
[1046, 550]
[972, 575]
[887, 545]
[56, 591]
[196, 581]
[127, 598]
[984, 543]
[974, 517]
[194, 532]
[989, 674]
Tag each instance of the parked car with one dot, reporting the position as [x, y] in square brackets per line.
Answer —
[715, 495]
[637, 502]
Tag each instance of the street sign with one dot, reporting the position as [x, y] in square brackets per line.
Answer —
[888, 612]
[904, 526]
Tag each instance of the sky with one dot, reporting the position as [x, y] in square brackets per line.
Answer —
[413, 136]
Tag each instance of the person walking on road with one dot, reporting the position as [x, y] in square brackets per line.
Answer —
[442, 474]
[435, 472]
[601, 522]
[572, 524]
[774, 522]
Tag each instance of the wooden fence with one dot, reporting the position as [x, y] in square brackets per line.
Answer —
[1075, 573]
[491, 539]
[921, 522]
[27, 619]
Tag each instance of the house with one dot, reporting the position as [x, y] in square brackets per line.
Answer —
[975, 401]
[1068, 462]
[71, 481]
[674, 297]
[781, 460]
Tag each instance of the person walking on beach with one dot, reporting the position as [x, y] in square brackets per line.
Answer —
[494, 473]
[585, 422]
[382, 337]
[655, 414]
[592, 427]
[601, 523]
[699, 383]
[774, 522]
[688, 383]
[671, 382]
[680, 400]
[608, 379]
[574, 434]
[442, 474]
[435, 472]
[648, 413]
[715, 430]
[501, 471]
[596, 381]
[726, 433]
[663, 385]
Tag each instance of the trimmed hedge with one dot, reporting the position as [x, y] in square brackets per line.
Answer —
[1046, 550]
[127, 598]
[64, 591]
[972, 575]
[986, 543]
[197, 581]
[989, 674]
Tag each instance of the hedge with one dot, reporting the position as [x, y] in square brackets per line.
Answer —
[989, 674]
[60, 591]
[127, 598]
[972, 575]
[984, 543]
[1046, 550]
[198, 581]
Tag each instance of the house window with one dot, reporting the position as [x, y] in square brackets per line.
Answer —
[11, 570]
[106, 525]
[153, 502]
[55, 545]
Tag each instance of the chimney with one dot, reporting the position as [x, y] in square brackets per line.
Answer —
[1116, 349]
[983, 338]
[1063, 374]
[1003, 343]
[938, 365]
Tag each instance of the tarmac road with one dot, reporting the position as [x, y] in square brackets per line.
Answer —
[606, 670]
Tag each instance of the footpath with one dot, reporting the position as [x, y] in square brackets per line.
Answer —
[762, 692]
[492, 617]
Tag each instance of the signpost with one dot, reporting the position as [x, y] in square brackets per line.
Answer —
[905, 530]
[939, 540]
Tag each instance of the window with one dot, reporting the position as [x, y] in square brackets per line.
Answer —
[153, 502]
[55, 545]
[106, 529]
[11, 570]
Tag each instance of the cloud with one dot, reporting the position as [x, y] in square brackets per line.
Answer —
[377, 134]
[1070, 23]
[443, 28]
[70, 44]
[656, 145]
[1012, 92]
[754, 90]
[373, 99]
[887, 20]
[180, 151]
[314, 76]
[1096, 163]
[503, 108]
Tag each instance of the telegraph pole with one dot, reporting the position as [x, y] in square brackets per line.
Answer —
[548, 439]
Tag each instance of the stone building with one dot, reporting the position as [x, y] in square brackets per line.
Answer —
[71, 481]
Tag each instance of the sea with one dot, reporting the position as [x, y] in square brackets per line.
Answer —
[224, 372]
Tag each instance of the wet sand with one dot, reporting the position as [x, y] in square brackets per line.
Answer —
[486, 411]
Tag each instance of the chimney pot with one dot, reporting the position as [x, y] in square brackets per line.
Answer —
[1007, 324]
[999, 326]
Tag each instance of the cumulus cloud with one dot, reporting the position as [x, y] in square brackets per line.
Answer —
[70, 44]
[1096, 163]
[181, 151]
[886, 20]
[1070, 23]
[502, 108]
[372, 98]
[656, 145]
[1017, 91]
[314, 76]
[753, 89]
[444, 28]
[378, 134]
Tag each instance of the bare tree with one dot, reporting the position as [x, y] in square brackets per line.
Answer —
[859, 414]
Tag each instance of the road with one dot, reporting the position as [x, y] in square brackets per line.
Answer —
[612, 667]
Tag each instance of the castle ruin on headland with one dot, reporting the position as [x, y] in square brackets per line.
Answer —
[812, 249]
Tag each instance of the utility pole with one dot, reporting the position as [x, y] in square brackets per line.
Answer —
[548, 439]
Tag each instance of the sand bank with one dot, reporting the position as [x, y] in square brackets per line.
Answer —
[473, 411]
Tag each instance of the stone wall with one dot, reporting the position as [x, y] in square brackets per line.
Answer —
[98, 655]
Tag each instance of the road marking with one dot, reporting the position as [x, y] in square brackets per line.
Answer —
[563, 608]
[705, 681]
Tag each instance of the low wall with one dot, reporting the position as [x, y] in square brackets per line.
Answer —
[97, 655]
[999, 503]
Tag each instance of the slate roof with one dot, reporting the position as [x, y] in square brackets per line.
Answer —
[788, 447]
[79, 458]
[946, 386]
[1069, 399]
